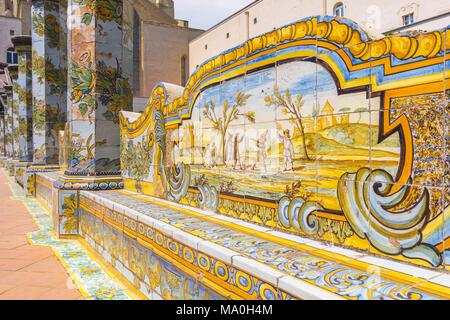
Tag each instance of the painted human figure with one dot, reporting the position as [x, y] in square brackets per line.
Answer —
[213, 155]
[229, 150]
[236, 155]
[261, 150]
[210, 155]
[288, 152]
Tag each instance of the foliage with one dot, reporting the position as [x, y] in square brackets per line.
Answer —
[52, 31]
[200, 180]
[83, 151]
[290, 106]
[24, 126]
[38, 65]
[227, 187]
[229, 114]
[295, 189]
[83, 80]
[105, 10]
[38, 24]
[69, 208]
[113, 90]
[45, 69]
[137, 158]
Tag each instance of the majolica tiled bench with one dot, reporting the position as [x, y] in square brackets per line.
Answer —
[174, 251]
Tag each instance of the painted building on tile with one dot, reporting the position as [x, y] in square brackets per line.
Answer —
[306, 162]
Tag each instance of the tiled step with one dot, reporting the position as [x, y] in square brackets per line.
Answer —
[289, 266]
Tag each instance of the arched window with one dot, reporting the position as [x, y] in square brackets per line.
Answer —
[183, 70]
[339, 9]
[11, 56]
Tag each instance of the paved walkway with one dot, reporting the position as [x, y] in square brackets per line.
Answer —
[27, 271]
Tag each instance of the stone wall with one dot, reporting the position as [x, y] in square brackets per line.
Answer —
[8, 24]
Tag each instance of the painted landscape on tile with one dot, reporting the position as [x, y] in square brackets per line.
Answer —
[257, 134]
[322, 140]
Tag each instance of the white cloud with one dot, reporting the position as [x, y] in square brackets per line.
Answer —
[204, 14]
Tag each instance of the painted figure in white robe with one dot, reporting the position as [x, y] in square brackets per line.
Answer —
[288, 152]
[210, 155]
[229, 150]
[237, 139]
[261, 150]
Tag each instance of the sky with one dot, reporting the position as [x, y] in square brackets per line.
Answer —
[203, 14]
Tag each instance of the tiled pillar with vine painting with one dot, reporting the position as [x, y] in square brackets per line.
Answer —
[49, 38]
[2, 133]
[8, 122]
[22, 44]
[99, 76]
[13, 72]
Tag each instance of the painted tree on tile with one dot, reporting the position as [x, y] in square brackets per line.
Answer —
[229, 114]
[290, 106]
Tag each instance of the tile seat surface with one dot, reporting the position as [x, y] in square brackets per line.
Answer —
[303, 268]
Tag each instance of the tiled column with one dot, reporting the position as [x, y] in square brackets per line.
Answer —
[2, 127]
[49, 39]
[100, 40]
[14, 113]
[9, 122]
[22, 44]
[100, 52]
[13, 71]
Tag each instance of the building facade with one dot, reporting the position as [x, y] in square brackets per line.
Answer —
[158, 40]
[377, 17]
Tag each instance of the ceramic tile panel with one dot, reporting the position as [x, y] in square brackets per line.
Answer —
[2, 130]
[67, 223]
[145, 269]
[49, 33]
[355, 113]
[23, 91]
[15, 121]
[100, 53]
[9, 125]
[306, 265]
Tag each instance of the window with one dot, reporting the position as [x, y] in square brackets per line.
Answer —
[255, 20]
[228, 35]
[11, 32]
[206, 47]
[11, 56]
[339, 9]
[408, 19]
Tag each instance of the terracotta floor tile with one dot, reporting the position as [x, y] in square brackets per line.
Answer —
[51, 280]
[4, 288]
[48, 265]
[24, 252]
[23, 293]
[15, 264]
[60, 294]
[27, 271]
